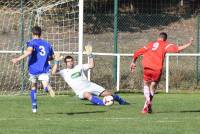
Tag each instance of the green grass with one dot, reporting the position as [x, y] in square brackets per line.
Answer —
[173, 114]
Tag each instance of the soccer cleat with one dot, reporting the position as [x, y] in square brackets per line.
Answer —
[51, 92]
[34, 110]
[147, 108]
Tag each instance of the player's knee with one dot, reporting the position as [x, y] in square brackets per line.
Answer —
[87, 95]
[153, 85]
[106, 93]
[33, 87]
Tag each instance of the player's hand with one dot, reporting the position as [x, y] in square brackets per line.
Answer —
[191, 40]
[58, 57]
[15, 60]
[132, 67]
[88, 49]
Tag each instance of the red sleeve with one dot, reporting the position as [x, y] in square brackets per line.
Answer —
[171, 48]
[141, 51]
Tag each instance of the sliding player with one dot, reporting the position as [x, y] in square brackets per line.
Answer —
[76, 79]
[39, 52]
[152, 62]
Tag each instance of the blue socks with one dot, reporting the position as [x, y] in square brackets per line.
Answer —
[119, 99]
[33, 95]
[46, 89]
[96, 101]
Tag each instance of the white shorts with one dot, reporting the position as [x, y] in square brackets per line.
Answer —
[93, 88]
[41, 77]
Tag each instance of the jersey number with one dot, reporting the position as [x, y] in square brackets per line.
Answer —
[155, 46]
[42, 50]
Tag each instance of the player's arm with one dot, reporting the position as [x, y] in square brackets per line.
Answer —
[26, 54]
[180, 48]
[136, 54]
[55, 68]
[91, 63]
[172, 48]
[88, 51]
[52, 55]
[57, 60]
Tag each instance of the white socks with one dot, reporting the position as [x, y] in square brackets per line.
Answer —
[147, 93]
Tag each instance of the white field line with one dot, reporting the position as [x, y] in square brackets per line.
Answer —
[138, 119]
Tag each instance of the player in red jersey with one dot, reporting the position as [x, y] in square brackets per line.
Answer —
[152, 62]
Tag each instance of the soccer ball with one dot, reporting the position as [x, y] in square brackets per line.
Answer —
[108, 100]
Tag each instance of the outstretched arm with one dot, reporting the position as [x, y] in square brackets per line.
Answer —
[91, 61]
[57, 58]
[88, 51]
[26, 54]
[55, 67]
[180, 48]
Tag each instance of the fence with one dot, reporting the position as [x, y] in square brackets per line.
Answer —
[138, 23]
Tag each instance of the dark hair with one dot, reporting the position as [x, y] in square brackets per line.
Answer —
[163, 35]
[36, 30]
[68, 57]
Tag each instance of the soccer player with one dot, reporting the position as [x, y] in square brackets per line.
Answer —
[40, 52]
[76, 79]
[152, 62]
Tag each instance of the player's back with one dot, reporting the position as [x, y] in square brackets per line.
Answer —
[38, 61]
[155, 54]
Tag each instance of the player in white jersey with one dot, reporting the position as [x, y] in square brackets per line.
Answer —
[76, 79]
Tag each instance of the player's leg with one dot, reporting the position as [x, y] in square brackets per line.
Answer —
[94, 90]
[153, 76]
[45, 82]
[115, 97]
[156, 75]
[152, 91]
[92, 98]
[146, 90]
[33, 93]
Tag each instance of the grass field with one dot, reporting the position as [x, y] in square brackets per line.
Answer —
[173, 114]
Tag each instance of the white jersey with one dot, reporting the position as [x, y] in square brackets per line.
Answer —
[75, 77]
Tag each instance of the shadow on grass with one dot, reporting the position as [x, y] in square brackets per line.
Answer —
[184, 111]
[79, 113]
[190, 111]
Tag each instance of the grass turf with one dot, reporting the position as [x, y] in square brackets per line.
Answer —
[172, 114]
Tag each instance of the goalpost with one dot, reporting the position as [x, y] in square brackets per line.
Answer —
[182, 71]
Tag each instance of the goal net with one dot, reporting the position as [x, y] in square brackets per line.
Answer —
[59, 20]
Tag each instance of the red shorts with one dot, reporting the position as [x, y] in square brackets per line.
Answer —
[151, 75]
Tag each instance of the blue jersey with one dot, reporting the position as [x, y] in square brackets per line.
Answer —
[38, 60]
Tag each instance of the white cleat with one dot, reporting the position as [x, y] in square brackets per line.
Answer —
[34, 110]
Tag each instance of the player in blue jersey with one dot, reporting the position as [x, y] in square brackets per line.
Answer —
[40, 52]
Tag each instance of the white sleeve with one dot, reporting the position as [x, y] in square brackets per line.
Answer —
[60, 72]
[86, 67]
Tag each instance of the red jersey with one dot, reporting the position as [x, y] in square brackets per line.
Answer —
[154, 54]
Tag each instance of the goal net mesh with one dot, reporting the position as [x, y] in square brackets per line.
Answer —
[59, 23]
